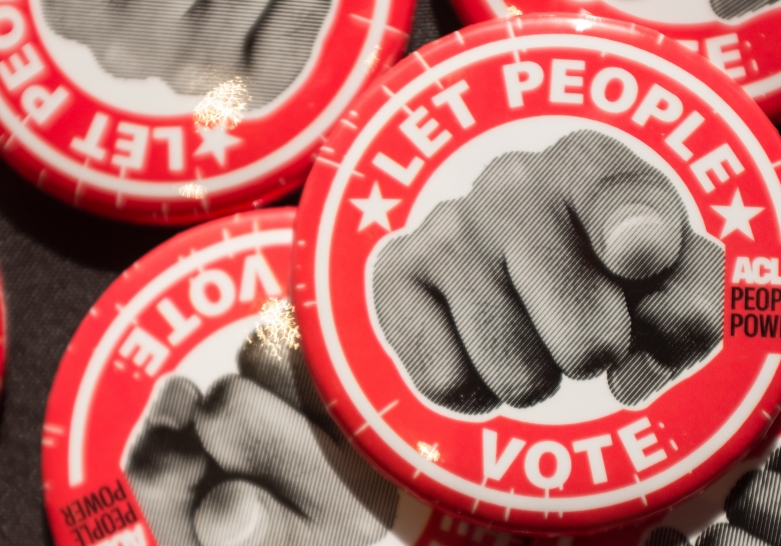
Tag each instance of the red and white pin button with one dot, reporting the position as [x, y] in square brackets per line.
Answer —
[739, 37]
[182, 413]
[535, 271]
[160, 115]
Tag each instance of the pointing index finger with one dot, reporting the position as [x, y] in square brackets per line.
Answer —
[634, 221]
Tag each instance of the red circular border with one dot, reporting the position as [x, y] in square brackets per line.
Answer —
[306, 299]
[758, 36]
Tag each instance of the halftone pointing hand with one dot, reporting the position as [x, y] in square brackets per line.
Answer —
[255, 462]
[576, 260]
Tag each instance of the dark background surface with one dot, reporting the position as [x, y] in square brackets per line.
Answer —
[56, 261]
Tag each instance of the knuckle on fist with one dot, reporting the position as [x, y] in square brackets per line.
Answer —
[604, 274]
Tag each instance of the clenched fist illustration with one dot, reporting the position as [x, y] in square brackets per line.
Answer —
[575, 260]
[195, 45]
[753, 511]
[255, 462]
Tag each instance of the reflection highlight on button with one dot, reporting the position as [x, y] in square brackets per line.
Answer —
[224, 105]
[429, 452]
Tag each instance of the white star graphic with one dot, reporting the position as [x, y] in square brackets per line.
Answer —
[215, 142]
[737, 216]
[375, 209]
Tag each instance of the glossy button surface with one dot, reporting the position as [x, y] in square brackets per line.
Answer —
[182, 413]
[740, 38]
[177, 113]
[527, 271]
[741, 507]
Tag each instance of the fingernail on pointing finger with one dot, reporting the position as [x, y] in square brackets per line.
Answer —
[231, 515]
[638, 242]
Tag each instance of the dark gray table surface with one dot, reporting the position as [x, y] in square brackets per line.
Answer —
[56, 261]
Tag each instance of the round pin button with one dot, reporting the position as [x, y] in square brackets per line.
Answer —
[183, 414]
[527, 273]
[172, 115]
[740, 38]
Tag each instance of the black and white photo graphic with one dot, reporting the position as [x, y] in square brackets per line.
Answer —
[575, 260]
[752, 512]
[729, 9]
[195, 45]
[256, 460]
